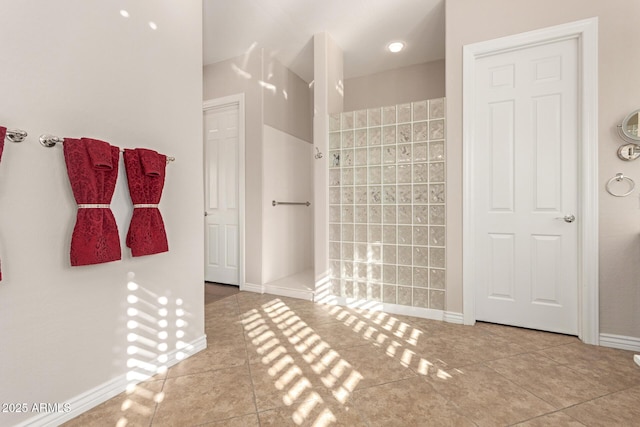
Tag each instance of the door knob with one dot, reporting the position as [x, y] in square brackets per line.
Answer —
[567, 218]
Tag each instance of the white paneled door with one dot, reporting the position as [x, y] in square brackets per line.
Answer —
[221, 148]
[525, 187]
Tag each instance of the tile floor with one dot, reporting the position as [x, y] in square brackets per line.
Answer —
[275, 361]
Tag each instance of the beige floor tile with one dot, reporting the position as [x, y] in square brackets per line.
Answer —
[410, 402]
[617, 409]
[486, 398]
[529, 339]
[243, 421]
[205, 397]
[215, 356]
[312, 413]
[556, 384]
[369, 366]
[135, 408]
[556, 419]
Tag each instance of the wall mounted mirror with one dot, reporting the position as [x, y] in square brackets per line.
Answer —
[629, 127]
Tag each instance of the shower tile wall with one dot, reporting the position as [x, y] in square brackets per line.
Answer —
[387, 204]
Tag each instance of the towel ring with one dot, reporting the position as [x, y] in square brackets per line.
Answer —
[620, 177]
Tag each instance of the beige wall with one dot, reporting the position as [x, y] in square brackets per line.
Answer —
[78, 68]
[470, 21]
[397, 86]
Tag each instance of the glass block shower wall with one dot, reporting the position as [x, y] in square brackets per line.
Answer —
[387, 204]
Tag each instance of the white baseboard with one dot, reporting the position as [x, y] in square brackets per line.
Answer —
[105, 391]
[289, 292]
[250, 287]
[425, 313]
[620, 341]
[452, 317]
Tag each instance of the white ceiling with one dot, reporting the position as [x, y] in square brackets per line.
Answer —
[362, 28]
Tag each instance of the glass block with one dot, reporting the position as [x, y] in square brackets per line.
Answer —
[390, 254]
[375, 253]
[405, 214]
[436, 151]
[360, 271]
[349, 289]
[404, 256]
[348, 232]
[436, 257]
[334, 232]
[436, 300]
[375, 214]
[436, 236]
[334, 214]
[347, 139]
[375, 116]
[361, 118]
[346, 159]
[374, 155]
[334, 196]
[375, 136]
[404, 174]
[389, 154]
[436, 108]
[421, 236]
[347, 176]
[375, 291]
[361, 233]
[334, 250]
[336, 269]
[375, 175]
[389, 294]
[336, 287]
[389, 215]
[389, 174]
[389, 274]
[404, 133]
[347, 270]
[360, 176]
[436, 215]
[436, 172]
[405, 276]
[404, 194]
[361, 138]
[436, 129]
[375, 273]
[347, 120]
[404, 113]
[375, 194]
[420, 277]
[436, 279]
[389, 115]
[389, 194]
[420, 111]
[347, 195]
[347, 251]
[389, 233]
[389, 135]
[421, 298]
[420, 193]
[360, 212]
[419, 131]
[347, 214]
[404, 295]
[420, 172]
[403, 153]
[334, 122]
[360, 252]
[334, 177]
[334, 159]
[375, 234]
[436, 193]
[420, 256]
[361, 289]
[420, 152]
[420, 214]
[335, 140]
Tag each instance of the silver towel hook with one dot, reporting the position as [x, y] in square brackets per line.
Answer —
[50, 140]
[16, 135]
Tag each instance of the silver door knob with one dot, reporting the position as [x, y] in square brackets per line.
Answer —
[567, 218]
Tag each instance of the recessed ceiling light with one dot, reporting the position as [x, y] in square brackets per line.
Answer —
[395, 47]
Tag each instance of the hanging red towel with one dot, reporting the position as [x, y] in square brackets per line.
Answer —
[3, 133]
[92, 166]
[145, 175]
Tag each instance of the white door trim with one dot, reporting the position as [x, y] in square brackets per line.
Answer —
[220, 102]
[586, 32]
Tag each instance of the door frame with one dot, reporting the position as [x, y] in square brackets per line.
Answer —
[586, 32]
[210, 104]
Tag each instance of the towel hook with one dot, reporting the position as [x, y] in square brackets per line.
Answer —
[16, 135]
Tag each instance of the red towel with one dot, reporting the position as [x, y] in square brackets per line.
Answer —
[99, 153]
[153, 164]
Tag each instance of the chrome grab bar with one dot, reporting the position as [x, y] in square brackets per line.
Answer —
[274, 203]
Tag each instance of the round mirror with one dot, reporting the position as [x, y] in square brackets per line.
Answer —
[630, 127]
